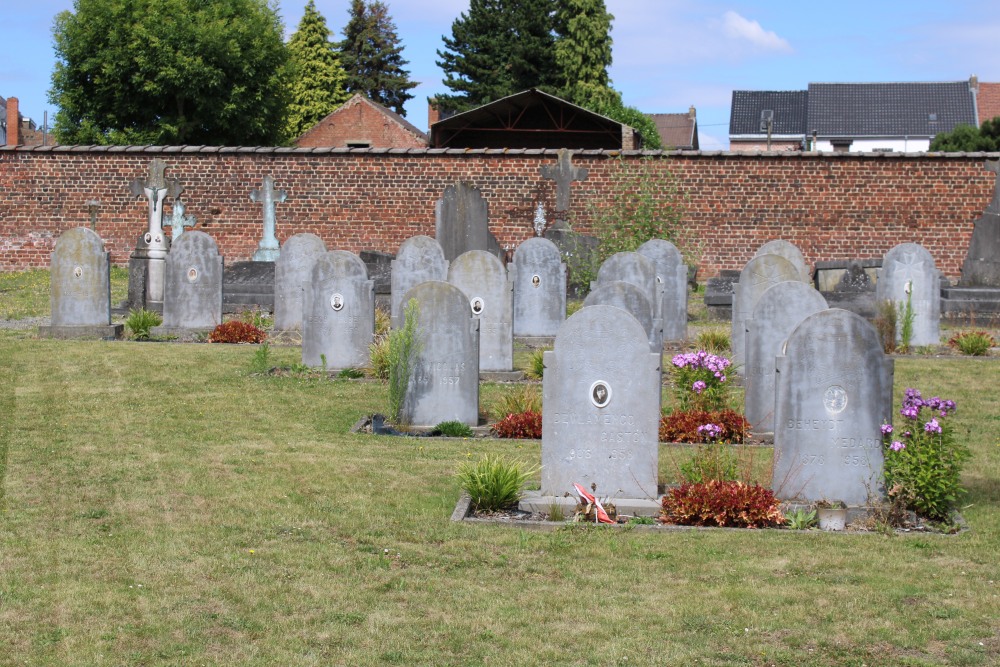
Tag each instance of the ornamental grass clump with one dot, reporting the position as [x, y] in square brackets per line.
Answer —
[722, 503]
[699, 380]
[520, 425]
[494, 482]
[972, 343]
[923, 461]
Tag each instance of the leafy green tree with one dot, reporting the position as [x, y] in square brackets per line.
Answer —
[498, 48]
[583, 52]
[371, 54]
[968, 138]
[169, 72]
[316, 86]
[633, 118]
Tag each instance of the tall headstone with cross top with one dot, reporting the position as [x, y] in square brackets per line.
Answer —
[147, 264]
[268, 249]
[564, 174]
[178, 221]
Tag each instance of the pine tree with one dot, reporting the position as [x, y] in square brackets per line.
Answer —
[583, 52]
[498, 48]
[372, 56]
[317, 83]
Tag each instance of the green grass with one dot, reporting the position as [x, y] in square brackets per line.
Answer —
[26, 293]
[192, 513]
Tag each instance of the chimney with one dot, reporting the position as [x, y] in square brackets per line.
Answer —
[692, 114]
[974, 83]
[13, 123]
[433, 113]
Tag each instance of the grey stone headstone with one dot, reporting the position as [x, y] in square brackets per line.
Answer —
[833, 393]
[420, 258]
[671, 276]
[80, 281]
[632, 300]
[539, 278]
[630, 267]
[192, 296]
[759, 274]
[981, 267]
[462, 221]
[339, 312]
[577, 250]
[483, 279]
[601, 391]
[789, 251]
[292, 271]
[445, 381]
[778, 311]
[909, 266]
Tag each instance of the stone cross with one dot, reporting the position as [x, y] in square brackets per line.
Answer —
[994, 166]
[156, 188]
[268, 249]
[178, 221]
[563, 173]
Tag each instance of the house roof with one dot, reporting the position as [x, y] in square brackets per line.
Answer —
[358, 98]
[888, 109]
[988, 101]
[789, 107]
[677, 130]
[529, 119]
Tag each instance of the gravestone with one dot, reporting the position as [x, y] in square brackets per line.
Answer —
[539, 278]
[292, 272]
[577, 251]
[981, 267]
[462, 221]
[147, 263]
[632, 300]
[445, 382]
[80, 288]
[601, 391]
[833, 393]
[338, 312]
[908, 272]
[564, 174]
[179, 221]
[789, 251]
[759, 274]
[638, 270]
[489, 293]
[420, 258]
[671, 276]
[268, 249]
[192, 294]
[778, 311]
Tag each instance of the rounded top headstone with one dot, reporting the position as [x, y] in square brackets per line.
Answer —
[661, 252]
[416, 251]
[476, 263]
[789, 251]
[625, 296]
[194, 242]
[339, 264]
[535, 250]
[630, 267]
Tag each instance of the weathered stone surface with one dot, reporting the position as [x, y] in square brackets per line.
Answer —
[339, 312]
[462, 221]
[672, 277]
[80, 280]
[539, 278]
[833, 393]
[778, 311]
[192, 296]
[483, 279]
[908, 272]
[601, 392]
[420, 258]
[789, 251]
[759, 274]
[577, 251]
[292, 271]
[631, 299]
[981, 267]
[631, 267]
[445, 381]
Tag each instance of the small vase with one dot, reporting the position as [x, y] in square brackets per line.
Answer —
[832, 518]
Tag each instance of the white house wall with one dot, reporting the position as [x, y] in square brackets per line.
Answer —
[876, 145]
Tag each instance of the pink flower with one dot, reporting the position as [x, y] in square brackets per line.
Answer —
[932, 426]
[886, 429]
[897, 446]
[698, 387]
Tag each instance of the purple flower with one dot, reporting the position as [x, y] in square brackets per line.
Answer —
[910, 411]
[698, 386]
[886, 429]
[897, 446]
[932, 426]
[711, 431]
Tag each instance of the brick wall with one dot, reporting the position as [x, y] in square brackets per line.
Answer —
[832, 206]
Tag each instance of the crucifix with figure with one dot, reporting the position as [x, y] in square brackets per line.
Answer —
[564, 174]
[268, 249]
[156, 188]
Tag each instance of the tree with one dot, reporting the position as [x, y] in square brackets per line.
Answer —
[632, 117]
[498, 48]
[966, 138]
[169, 72]
[372, 56]
[316, 85]
[583, 52]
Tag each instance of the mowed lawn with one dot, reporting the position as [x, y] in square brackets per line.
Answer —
[161, 505]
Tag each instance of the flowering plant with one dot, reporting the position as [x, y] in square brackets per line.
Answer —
[923, 462]
[699, 380]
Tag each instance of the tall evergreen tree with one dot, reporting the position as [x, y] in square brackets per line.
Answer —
[583, 52]
[317, 84]
[371, 54]
[497, 48]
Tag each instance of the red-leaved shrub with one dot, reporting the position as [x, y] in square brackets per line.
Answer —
[235, 331]
[719, 503]
[682, 426]
[520, 425]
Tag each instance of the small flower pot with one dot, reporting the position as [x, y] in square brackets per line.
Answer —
[832, 518]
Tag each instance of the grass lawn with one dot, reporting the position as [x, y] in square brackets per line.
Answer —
[160, 505]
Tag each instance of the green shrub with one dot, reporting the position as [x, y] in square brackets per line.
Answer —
[973, 343]
[712, 461]
[257, 317]
[140, 322]
[453, 429]
[715, 341]
[905, 318]
[403, 346]
[494, 482]
[235, 331]
[383, 321]
[801, 519]
[379, 353]
[521, 425]
[261, 360]
[718, 503]
[536, 364]
[519, 398]
[885, 325]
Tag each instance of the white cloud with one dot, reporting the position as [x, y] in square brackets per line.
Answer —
[743, 29]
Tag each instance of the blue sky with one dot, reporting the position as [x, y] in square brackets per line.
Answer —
[668, 54]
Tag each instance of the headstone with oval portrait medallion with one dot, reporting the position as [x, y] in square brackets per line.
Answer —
[484, 280]
[338, 320]
[539, 277]
[192, 294]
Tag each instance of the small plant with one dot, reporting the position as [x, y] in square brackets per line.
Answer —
[715, 341]
[906, 319]
[719, 503]
[453, 429]
[556, 512]
[235, 331]
[699, 380]
[641, 521]
[379, 353]
[403, 346]
[574, 306]
[383, 321]
[140, 322]
[923, 462]
[351, 374]
[710, 462]
[536, 364]
[494, 482]
[824, 504]
[801, 519]
[885, 325]
[261, 360]
[520, 398]
[525, 425]
[973, 343]
[257, 317]
[684, 425]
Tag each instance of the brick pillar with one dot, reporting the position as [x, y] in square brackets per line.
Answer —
[13, 123]
[628, 135]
